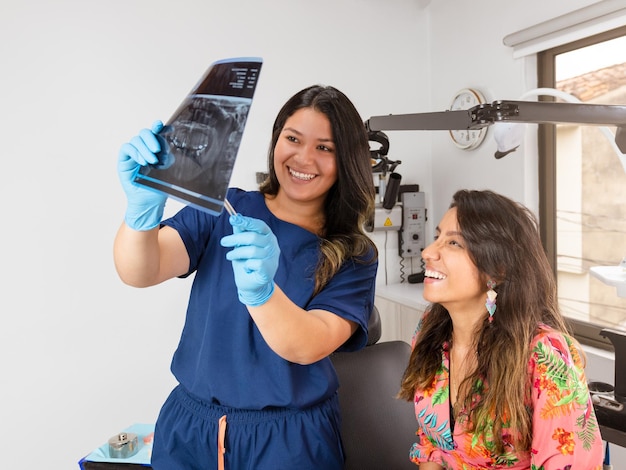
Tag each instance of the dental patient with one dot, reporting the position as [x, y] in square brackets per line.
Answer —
[496, 378]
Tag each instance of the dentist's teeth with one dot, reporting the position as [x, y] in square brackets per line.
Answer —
[301, 176]
[434, 274]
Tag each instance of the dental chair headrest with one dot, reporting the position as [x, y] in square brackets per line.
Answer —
[374, 328]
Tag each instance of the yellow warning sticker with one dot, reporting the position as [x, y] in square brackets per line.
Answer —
[388, 222]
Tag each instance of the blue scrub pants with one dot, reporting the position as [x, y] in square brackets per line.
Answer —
[187, 436]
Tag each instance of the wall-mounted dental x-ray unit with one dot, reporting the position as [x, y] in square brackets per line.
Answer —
[400, 208]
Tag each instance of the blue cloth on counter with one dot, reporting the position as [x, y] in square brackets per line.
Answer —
[142, 457]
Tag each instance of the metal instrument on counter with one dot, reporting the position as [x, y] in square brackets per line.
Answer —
[123, 445]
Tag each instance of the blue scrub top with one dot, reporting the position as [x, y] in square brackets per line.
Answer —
[222, 358]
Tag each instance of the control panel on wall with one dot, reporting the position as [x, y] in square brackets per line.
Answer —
[412, 235]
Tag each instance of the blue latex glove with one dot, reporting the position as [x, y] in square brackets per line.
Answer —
[144, 210]
[255, 258]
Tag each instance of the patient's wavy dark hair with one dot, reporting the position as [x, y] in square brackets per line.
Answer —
[350, 201]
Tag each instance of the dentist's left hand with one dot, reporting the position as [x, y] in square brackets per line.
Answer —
[254, 257]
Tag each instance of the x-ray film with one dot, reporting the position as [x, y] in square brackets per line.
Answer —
[200, 141]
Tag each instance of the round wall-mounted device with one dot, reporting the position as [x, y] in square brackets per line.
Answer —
[467, 139]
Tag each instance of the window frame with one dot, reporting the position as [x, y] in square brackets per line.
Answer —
[586, 332]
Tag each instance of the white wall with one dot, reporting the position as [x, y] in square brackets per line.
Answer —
[81, 355]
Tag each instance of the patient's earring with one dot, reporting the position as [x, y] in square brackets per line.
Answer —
[491, 299]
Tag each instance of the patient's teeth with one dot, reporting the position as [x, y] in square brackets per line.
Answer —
[434, 274]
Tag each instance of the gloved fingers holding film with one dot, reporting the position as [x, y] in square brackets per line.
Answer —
[145, 207]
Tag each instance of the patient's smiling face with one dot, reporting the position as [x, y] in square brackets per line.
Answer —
[452, 279]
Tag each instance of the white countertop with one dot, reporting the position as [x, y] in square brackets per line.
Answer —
[410, 295]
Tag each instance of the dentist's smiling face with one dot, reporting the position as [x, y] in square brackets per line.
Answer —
[304, 157]
[452, 279]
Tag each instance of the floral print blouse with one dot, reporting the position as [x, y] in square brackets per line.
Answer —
[566, 435]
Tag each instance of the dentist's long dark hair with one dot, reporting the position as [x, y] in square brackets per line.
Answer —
[502, 239]
[350, 201]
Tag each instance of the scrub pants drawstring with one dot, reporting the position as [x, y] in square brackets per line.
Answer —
[221, 436]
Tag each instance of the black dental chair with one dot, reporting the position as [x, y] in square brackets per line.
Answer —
[377, 428]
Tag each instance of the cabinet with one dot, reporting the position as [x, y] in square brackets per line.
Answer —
[400, 306]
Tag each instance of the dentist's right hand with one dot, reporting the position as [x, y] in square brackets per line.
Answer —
[144, 210]
[255, 257]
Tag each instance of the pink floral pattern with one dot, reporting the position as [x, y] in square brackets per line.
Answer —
[566, 435]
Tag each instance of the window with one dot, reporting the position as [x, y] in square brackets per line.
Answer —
[582, 184]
